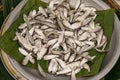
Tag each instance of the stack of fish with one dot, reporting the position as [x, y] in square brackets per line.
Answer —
[62, 34]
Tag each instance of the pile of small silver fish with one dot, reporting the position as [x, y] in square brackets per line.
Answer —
[62, 34]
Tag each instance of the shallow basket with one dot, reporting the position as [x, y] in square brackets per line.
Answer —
[22, 73]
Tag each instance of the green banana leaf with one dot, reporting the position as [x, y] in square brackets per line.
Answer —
[11, 47]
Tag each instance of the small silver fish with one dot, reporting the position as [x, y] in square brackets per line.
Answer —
[31, 31]
[66, 57]
[51, 65]
[32, 14]
[24, 42]
[42, 52]
[61, 62]
[23, 52]
[55, 67]
[40, 32]
[72, 57]
[86, 66]
[41, 10]
[52, 42]
[64, 71]
[73, 76]
[27, 59]
[49, 57]
[41, 71]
